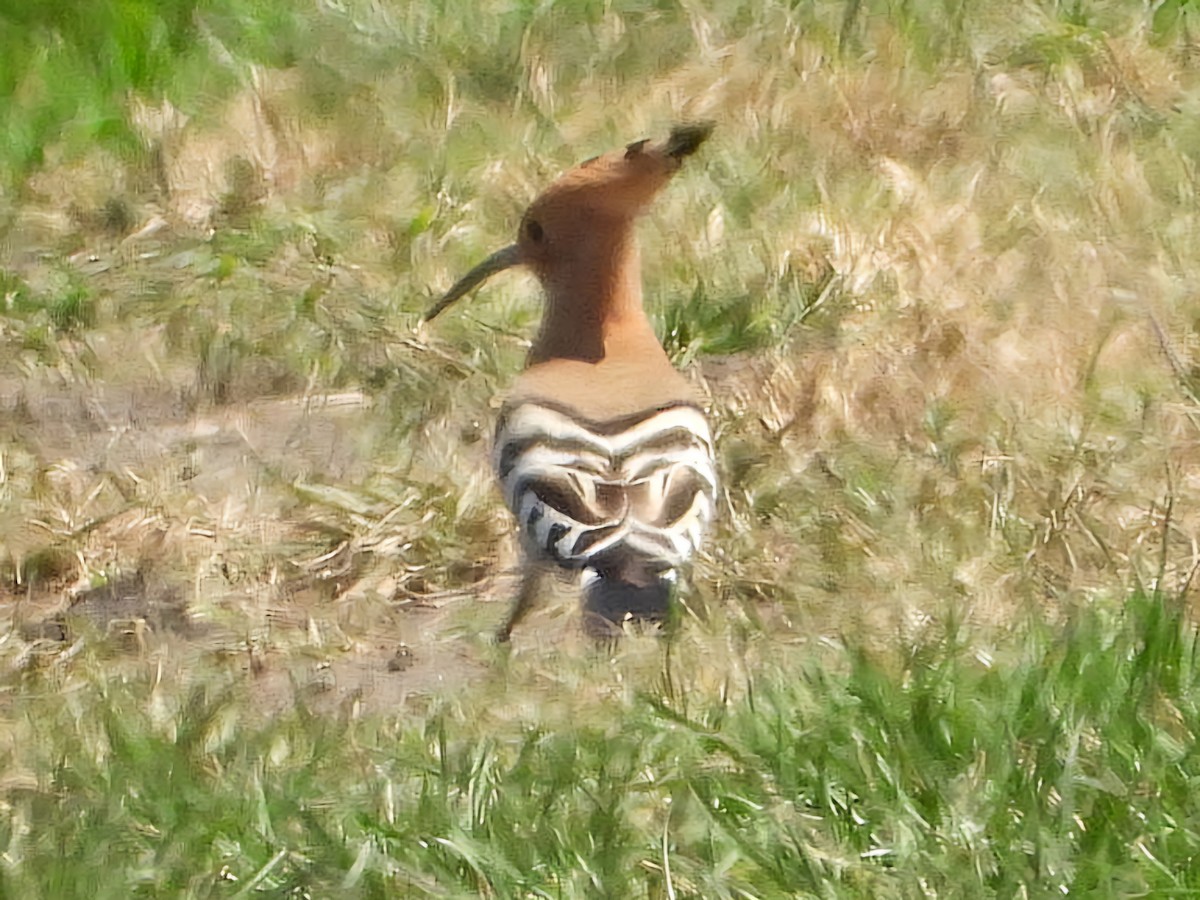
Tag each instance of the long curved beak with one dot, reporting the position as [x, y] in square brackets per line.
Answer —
[497, 262]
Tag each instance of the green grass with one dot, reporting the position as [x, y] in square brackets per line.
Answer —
[1059, 762]
[935, 275]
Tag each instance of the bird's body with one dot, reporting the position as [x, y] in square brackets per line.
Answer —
[602, 450]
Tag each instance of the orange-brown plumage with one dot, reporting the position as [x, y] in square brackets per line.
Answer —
[598, 380]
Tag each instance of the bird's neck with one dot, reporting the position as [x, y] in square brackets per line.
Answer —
[594, 307]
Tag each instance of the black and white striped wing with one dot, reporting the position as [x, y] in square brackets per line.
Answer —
[582, 490]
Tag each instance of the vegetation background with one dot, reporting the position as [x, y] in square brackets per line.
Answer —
[937, 273]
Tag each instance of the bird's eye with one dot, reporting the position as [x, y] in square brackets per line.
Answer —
[534, 230]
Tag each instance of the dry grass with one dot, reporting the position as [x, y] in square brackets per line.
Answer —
[983, 398]
[936, 274]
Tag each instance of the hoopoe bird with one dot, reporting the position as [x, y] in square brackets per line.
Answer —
[603, 453]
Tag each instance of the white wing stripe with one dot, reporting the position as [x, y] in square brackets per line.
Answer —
[530, 420]
[625, 484]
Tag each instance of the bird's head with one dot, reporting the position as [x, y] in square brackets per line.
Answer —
[579, 221]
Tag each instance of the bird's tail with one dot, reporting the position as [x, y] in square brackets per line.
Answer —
[632, 590]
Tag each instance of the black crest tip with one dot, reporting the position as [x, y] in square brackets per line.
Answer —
[686, 139]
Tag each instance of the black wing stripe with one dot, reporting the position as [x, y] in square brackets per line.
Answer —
[582, 493]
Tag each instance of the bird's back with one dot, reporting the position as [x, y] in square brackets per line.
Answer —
[606, 463]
